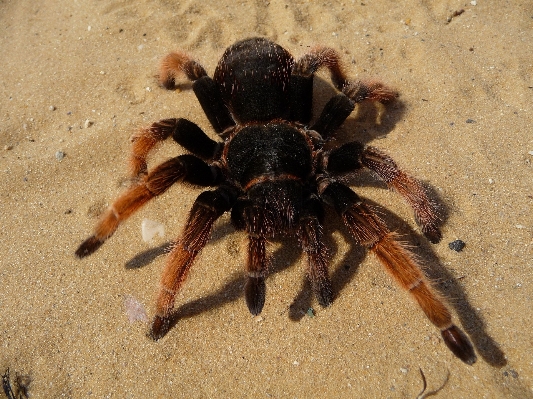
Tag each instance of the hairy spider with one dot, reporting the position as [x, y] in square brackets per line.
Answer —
[272, 172]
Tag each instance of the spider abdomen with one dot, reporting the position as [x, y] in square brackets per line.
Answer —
[253, 76]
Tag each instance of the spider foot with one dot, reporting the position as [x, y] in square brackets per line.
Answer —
[433, 234]
[89, 246]
[459, 344]
[323, 292]
[318, 275]
[160, 327]
[176, 64]
[254, 292]
[371, 90]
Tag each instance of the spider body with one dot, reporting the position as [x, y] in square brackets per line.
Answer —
[272, 173]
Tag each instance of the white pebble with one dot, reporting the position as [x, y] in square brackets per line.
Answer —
[52, 108]
[87, 123]
[60, 155]
[150, 228]
[491, 181]
[135, 310]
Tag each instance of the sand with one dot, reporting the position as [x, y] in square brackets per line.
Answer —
[78, 78]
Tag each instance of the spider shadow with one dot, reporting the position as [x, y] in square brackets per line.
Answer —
[145, 258]
[288, 254]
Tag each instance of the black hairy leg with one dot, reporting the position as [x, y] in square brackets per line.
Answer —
[176, 64]
[185, 133]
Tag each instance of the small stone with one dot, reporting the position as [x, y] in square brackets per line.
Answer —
[8, 147]
[150, 228]
[470, 121]
[52, 108]
[88, 123]
[457, 245]
[135, 310]
[60, 155]
[491, 181]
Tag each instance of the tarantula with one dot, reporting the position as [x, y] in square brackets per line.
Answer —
[272, 172]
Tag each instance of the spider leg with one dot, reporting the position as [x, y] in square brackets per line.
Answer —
[205, 88]
[359, 90]
[185, 133]
[339, 107]
[259, 224]
[310, 235]
[256, 268]
[335, 112]
[207, 208]
[184, 167]
[354, 155]
[368, 229]
[301, 91]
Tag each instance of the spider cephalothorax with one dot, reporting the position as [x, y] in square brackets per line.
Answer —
[272, 172]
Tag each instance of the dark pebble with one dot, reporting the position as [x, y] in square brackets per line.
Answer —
[457, 245]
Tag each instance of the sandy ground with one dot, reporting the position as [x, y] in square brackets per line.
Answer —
[78, 78]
